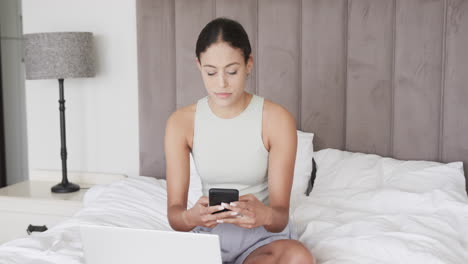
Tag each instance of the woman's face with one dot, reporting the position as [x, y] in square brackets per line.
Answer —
[224, 72]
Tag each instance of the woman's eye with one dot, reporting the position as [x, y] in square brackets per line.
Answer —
[232, 73]
[211, 73]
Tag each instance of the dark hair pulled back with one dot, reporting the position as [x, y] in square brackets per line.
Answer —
[227, 30]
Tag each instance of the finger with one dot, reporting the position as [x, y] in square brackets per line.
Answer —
[247, 197]
[208, 218]
[239, 204]
[211, 224]
[241, 211]
[203, 201]
[247, 213]
[214, 208]
[228, 214]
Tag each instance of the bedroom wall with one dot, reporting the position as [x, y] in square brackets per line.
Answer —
[386, 77]
[101, 112]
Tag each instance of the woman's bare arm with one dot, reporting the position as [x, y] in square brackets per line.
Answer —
[282, 137]
[177, 153]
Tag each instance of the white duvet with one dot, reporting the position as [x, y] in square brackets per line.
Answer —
[385, 224]
[138, 202]
[368, 209]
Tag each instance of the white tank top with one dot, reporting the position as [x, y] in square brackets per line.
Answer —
[229, 153]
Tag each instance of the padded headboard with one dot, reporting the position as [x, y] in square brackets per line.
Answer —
[387, 77]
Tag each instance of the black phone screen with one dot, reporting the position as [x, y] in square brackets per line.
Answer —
[220, 195]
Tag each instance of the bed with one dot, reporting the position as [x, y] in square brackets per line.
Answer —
[357, 77]
[363, 208]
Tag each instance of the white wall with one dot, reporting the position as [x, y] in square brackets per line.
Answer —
[101, 112]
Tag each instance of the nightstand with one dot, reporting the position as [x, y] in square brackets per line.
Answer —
[32, 203]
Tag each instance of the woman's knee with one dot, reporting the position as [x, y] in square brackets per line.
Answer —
[299, 257]
[281, 251]
[295, 253]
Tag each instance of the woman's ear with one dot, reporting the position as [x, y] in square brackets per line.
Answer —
[198, 63]
[249, 64]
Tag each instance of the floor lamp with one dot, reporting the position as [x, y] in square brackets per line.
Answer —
[60, 55]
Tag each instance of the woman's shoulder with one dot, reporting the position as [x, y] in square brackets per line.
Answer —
[183, 116]
[187, 110]
[276, 114]
[278, 123]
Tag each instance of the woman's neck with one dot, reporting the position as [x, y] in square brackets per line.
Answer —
[231, 111]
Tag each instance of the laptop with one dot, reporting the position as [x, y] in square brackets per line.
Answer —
[118, 245]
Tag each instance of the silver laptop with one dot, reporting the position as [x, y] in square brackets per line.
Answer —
[117, 245]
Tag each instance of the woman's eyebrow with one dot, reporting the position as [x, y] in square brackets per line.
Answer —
[230, 64]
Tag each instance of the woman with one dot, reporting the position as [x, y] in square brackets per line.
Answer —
[238, 140]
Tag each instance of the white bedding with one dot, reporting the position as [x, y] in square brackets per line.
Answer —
[383, 225]
[138, 202]
[365, 208]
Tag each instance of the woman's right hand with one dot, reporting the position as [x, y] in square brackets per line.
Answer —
[201, 214]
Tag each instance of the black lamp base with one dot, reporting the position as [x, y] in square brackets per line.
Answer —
[65, 188]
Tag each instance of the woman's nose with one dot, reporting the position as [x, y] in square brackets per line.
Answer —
[223, 81]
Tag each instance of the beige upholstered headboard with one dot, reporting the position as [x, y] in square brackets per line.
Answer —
[378, 76]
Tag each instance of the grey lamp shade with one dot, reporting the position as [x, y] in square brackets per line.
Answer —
[59, 55]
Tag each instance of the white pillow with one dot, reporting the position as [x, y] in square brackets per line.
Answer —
[338, 169]
[303, 164]
[423, 176]
[302, 168]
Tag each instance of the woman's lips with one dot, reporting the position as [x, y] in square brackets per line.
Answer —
[223, 95]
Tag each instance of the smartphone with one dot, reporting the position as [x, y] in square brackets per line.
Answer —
[220, 195]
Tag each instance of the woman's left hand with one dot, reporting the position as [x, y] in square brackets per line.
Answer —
[249, 212]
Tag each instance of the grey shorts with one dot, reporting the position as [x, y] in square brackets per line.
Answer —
[237, 242]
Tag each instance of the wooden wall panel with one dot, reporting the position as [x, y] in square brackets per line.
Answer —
[418, 77]
[279, 53]
[455, 125]
[378, 76]
[156, 77]
[190, 18]
[369, 76]
[245, 12]
[324, 71]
